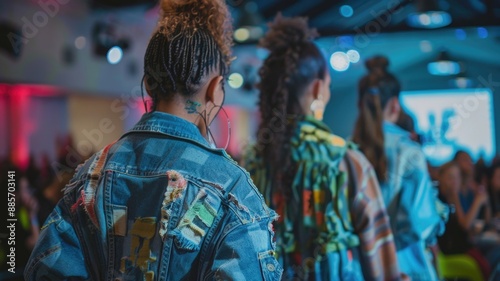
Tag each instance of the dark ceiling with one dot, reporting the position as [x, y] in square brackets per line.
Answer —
[325, 15]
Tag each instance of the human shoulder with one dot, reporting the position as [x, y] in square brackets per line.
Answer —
[357, 159]
[245, 199]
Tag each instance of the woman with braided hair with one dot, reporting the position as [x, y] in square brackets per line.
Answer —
[161, 203]
[333, 224]
[417, 215]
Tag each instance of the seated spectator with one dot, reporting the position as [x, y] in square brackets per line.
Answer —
[456, 240]
[473, 196]
[494, 189]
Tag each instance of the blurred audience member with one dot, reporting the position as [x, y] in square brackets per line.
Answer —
[474, 200]
[49, 195]
[33, 173]
[481, 172]
[455, 239]
[38, 189]
[46, 171]
[27, 227]
[494, 189]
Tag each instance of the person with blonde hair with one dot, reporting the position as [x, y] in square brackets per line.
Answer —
[161, 203]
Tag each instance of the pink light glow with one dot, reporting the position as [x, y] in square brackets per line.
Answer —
[19, 104]
[20, 126]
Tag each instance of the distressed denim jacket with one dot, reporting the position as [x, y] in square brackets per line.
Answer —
[159, 204]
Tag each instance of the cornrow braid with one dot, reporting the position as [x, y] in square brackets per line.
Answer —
[293, 63]
[193, 39]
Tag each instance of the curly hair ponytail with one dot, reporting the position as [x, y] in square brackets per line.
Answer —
[293, 63]
[193, 39]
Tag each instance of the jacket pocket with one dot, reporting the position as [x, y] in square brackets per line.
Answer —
[269, 266]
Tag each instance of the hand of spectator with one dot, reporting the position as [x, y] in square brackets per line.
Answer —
[481, 196]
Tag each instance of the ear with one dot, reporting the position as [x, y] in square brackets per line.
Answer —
[395, 106]
[214, 92]
[316, 88]
[146, 86]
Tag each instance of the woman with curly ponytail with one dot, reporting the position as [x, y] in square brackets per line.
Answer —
[161, 203]
[416, 213]
[333, 224]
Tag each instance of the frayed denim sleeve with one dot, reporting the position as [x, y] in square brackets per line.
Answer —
[57, 254]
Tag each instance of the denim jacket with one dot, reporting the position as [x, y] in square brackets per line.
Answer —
[417, 215]
[159, 204]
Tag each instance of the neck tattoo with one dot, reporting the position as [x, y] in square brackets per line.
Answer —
[192, 106]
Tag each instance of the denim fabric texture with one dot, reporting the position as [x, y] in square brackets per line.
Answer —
[159, 204]
[416, 213]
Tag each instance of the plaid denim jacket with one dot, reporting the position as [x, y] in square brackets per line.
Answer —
[159, 204]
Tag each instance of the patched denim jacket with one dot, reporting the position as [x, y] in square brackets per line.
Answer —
[159, 204]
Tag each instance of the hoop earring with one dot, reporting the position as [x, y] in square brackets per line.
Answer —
[228, 127]
[210, 136]
[142, 94]
[318, 108]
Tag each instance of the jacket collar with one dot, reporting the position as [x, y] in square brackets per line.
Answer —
[391, 128]
[168, 124]
[316, 123]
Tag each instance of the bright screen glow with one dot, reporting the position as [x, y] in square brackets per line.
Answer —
[450, 120]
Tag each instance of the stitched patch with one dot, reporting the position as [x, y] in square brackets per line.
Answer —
[198, 217]
[142, 231]
[195, 223]
[175, 188]
[119, 220]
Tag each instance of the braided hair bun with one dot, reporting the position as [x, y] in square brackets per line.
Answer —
[285, 32]
[192, 15]
[192, 40]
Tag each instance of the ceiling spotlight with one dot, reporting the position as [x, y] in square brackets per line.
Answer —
[242, 34]
[115, 55]
[236, 80]
[443, 66]
[340, 61]
[80, 42]
[482, 32]
[346, 11]
[461, 81]
[250, 24]
[428, 15]
[105, 37]
[353, 56]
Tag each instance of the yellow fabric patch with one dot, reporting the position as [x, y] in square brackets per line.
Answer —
[142, 231]
[338, 141]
